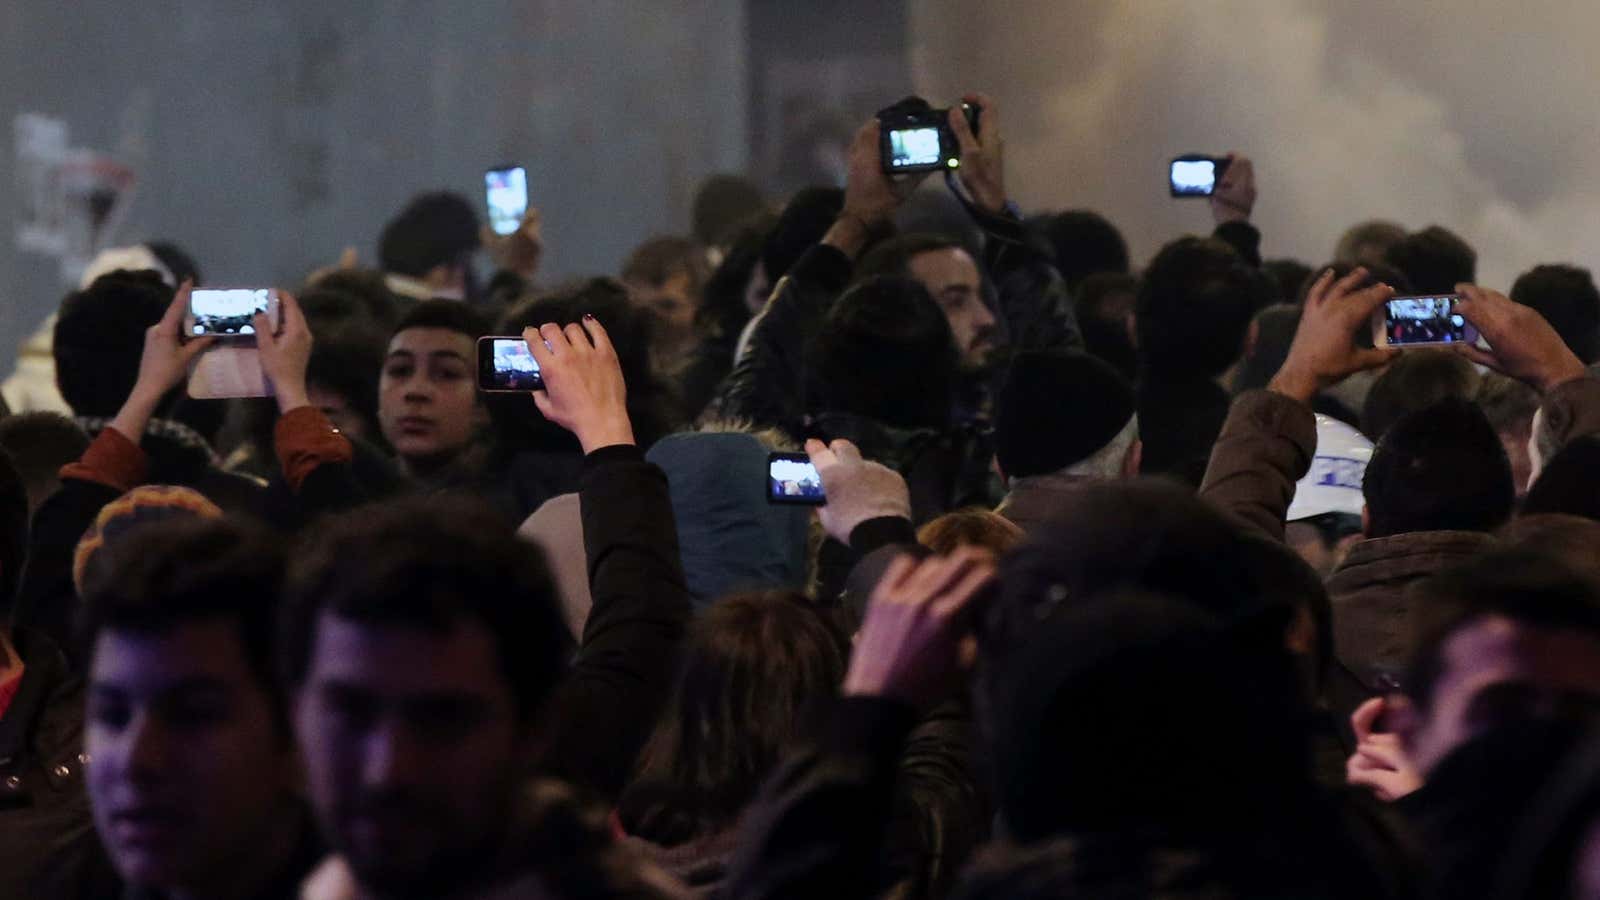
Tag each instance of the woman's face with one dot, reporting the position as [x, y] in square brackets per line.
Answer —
[427, 395]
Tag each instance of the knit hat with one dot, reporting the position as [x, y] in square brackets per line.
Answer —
[1055, 409]
[149, 503]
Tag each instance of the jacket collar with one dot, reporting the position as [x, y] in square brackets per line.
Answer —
[1037, 498]
[1404, 557]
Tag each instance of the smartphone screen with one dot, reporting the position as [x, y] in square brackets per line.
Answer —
[506, 364]
[227, 313]
[1410, 321]
[1193, 177]
[791, 478]
[506, 191]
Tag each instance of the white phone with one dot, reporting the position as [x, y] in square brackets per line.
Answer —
[232, 367]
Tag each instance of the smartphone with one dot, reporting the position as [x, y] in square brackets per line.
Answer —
[791, 478]
[231, 312]
[505, 191]
[506, 365]
[1195, 175]
[1421, 321]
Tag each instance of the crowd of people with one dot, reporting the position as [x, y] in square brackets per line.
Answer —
[1130, 582]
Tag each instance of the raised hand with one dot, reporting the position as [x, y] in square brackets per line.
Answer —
[1324, 351]
[858, 489]
[1234, 197]
[1521, 343]
[285, 355]
[982, 155]
[583, 387]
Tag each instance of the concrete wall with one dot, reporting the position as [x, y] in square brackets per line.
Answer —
[267, 136]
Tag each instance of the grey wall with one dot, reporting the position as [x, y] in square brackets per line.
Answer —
[269, 135]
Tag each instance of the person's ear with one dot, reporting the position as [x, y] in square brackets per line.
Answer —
[1366, 521]
[1133, 459]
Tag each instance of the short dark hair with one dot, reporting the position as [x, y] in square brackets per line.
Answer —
[721, 204]
[804, 220]
[434, 229]
[348, 362]
[1434, 260]
[893, 256]
[1377, 273]
[179, 264]
[161, 575]
[13, 536]
[722, 306]
[1567, 298]
[1566, 483]
[430, 563]
[357, 294]
[99, 338]
[1194, 308]
[661, 258]
[1367, 242]
[1083, 243]
[1438, 469]
[652, 405]
[758, 673]
[40, 443]
[1526, 586]
[884, 352]
[1290, 275]
[449, 315]
[1417, 380]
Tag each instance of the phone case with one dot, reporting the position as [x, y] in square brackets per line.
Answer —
[225, 372]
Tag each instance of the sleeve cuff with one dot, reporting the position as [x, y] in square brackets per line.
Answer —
[305, 440]
[881, 532]
[613, 454]
[111, 460]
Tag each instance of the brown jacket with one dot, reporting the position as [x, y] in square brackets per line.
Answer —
[1037, 499]
[1267, 445]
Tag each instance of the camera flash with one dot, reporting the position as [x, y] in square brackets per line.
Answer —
[953, 163]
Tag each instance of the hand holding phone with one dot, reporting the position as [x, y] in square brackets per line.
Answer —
[231, 317]
[1195, 175]
[506, 195]
[1421, 321]
[230, 313]
[857, 489]
[506, 365]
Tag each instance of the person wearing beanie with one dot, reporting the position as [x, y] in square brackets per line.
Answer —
[1061, 419]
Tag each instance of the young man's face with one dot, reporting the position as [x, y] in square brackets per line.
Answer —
[188, 767]
[428, 394]
[952, 278]
[413, 749]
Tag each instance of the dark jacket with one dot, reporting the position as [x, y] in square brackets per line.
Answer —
[48, 846]
[179, 455]
[1034, 500]
[1179, 420]
[620, 680]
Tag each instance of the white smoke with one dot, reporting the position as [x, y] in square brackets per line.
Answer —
[1351, 110]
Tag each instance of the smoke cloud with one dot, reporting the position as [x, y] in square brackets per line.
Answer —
[1351, 110]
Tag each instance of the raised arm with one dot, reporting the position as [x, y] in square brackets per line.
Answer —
[1270, 436]
[1231, 205]
[628, 656]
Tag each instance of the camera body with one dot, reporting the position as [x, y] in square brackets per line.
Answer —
[915, 138]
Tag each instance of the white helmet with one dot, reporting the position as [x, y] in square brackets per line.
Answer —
[1333, 485]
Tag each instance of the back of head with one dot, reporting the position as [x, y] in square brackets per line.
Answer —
[1368, 242]
[1438, 469]
[1195, 304]
[1057, 409]
[165, 574]
[724, 309]
[434, 229]
[1420, 378]
[721, 204]
[759, 672]
[651, 404]
[347, 362]
[1574, 540]
[1290, 275]
[1567, 482]
[884, 352]
[1434, 260]
[974, 527]
[1567, 298]
[430, 563]
[804, 220]
[99, 339]
[1275, 328]
[446, 315]
[893, 256]
[176, 261]
[346, 295]
[660, 259]
[40, 443]
[1084, 243]
[13, 536]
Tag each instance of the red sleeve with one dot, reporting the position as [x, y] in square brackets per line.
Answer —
[305, 440]
[111, 460]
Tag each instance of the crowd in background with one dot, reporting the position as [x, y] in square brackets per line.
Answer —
[1149, 580]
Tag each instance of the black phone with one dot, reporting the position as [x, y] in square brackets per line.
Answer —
[1195, 175]
[921, 140]
[505, 191]
[791, 478]
[506, 365]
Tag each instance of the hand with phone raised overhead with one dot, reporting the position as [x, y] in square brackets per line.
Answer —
[1521, 343]
[1324, 350]
[584, 391]
[870, 196]
[1234, 197]
[162, 366]
[915, 644]
[520, 251]
[858, 489]
[982, 169]
[285, 355]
